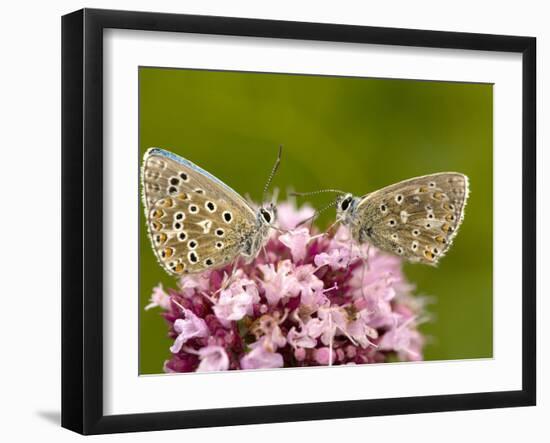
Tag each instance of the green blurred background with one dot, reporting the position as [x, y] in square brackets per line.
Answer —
[355, 134]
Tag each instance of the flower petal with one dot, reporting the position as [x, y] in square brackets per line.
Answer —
[213, 358]
[261, 358]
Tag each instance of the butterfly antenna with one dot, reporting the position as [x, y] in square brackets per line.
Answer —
[303, 194]
[273, 172]
[317, 213]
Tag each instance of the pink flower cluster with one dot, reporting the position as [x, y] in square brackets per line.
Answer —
[309, 300]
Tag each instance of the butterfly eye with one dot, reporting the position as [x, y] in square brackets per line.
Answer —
[266, 215]
[345, 204]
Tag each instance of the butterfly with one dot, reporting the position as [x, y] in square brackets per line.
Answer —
[416, 218]
[195, 221]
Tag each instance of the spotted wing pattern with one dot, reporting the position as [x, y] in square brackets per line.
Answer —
[195, 221]
[416, 218]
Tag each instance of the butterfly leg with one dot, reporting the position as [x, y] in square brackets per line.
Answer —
[233, 271]
[227, 281]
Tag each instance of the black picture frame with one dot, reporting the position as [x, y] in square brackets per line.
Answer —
[82, 218]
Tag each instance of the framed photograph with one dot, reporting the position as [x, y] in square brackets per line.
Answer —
[268, 221]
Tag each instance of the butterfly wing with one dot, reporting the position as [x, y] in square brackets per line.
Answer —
[416, 218]
[195, 221]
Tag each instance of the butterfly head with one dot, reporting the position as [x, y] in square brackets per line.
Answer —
[345, 207]
[267, 215]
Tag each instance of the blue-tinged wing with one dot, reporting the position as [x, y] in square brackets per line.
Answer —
[195, 221]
